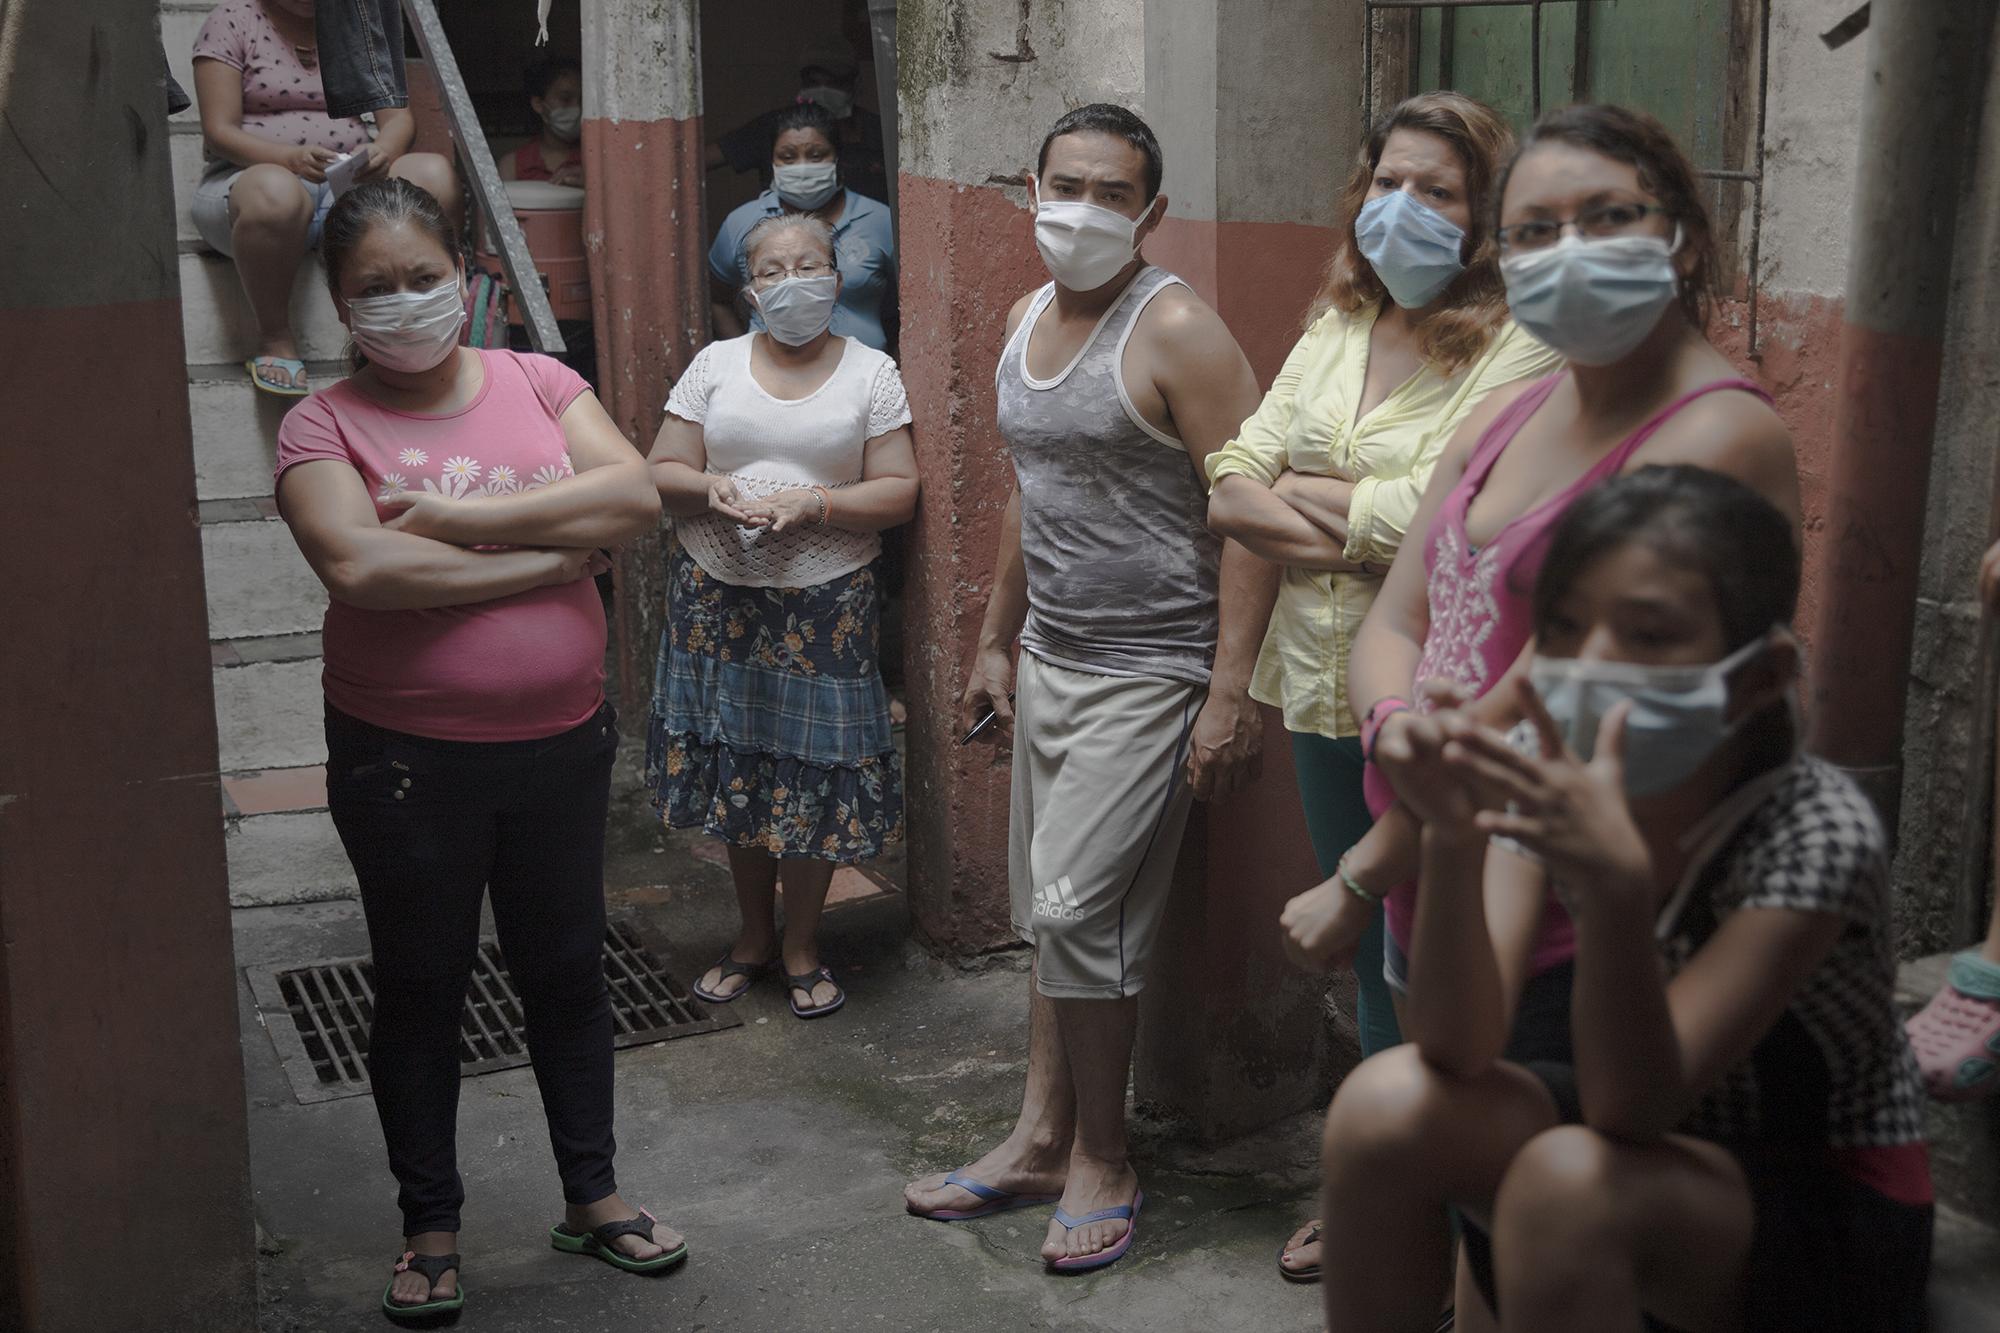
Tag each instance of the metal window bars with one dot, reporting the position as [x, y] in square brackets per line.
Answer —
[1753, 177]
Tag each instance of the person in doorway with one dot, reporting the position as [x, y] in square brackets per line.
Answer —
[1737, 1140]
[1138, 629]
[555, 94]
[1608, 257]
[264, 196]
[455, 502]
[806, 182]
[1408, 333]
[829, 77]
[783, 456]
[1957, 1034]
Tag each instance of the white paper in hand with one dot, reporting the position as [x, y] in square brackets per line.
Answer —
[341, 175]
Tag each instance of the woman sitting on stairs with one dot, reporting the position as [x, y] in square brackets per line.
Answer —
[264, 195]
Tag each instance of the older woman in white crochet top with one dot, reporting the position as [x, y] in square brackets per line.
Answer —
[784, 455]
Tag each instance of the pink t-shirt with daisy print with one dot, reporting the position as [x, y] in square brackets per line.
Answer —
[515, 668]
[283, 100]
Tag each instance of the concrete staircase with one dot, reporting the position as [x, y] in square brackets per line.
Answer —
[264, 604]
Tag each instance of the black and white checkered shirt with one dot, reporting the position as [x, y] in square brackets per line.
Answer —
[1835, 1067]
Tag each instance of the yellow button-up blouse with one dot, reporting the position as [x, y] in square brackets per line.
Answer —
[1307, 424]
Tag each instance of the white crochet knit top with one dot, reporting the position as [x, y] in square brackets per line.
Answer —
[772, 444]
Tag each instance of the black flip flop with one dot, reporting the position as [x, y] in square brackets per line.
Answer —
[731, 968]
[805, 981]
[1302, 1275]
[597, 1243]
[431, 1267]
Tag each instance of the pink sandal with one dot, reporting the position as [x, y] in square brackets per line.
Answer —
[1957, 1035]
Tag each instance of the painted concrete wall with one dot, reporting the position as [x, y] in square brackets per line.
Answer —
[121, 1084]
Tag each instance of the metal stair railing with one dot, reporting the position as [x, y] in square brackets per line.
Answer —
[483, 175]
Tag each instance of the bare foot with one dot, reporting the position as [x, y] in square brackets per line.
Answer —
[410, 1287]
[612, 1208]
[1092, 1186]
[1302, 1250]
[1014, 1166]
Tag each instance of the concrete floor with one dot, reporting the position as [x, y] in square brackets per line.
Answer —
[781, 1148]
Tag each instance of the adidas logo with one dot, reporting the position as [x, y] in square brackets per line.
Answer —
[1058, 901]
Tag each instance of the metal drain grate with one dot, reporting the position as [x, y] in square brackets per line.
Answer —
[318, 1014]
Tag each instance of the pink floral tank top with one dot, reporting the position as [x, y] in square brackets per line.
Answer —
[1481, 599]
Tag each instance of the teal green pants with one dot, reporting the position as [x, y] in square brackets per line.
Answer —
[1336, 816]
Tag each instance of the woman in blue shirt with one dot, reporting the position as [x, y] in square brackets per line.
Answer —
[806, 179]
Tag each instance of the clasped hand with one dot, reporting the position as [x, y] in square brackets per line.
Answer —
[786, 509]
[1465, 779]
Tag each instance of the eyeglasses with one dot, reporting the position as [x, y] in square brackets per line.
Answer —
[1603, 220]
[810, 269]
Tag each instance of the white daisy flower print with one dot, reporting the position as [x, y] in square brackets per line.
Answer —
[547, 474]
[413, 458]
[501, 480]
[393, 484]
[461, 468]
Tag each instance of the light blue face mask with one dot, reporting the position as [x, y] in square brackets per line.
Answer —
[798, 310]
[1679, 717]
[806, 185]
[1414, 249]
[1592, 300]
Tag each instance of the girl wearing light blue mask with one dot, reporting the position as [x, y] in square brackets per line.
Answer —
[1736, 1140]
[806, 182]
[1406, 337]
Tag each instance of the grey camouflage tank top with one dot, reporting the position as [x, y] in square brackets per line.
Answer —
[1121, 566]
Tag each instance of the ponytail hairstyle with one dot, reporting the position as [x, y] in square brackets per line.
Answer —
[1475, 304]
[379, 203]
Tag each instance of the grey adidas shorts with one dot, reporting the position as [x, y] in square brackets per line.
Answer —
[1100, 800]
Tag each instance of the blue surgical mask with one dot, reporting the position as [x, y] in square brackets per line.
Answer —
[1414, 249]
[1592, 300]
[1679, 717]
[798, 310]
[806, 185]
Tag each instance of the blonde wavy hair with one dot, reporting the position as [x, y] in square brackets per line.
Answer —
[1475, 305]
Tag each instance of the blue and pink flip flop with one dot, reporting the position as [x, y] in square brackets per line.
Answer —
[1127, 1213]
[991, 1200]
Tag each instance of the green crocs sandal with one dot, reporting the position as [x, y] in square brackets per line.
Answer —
[432, 1267]
[597, 1241]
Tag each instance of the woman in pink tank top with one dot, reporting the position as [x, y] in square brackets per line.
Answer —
[1609, 257]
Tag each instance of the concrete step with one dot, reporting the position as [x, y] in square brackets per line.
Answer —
[1964, 1138]
[185, 151]
[236, 429]
[180, 24]
[269, 715]
[286, 858]
[258, 583]
[216, 319]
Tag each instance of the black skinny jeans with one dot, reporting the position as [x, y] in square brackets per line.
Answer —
[430, 825]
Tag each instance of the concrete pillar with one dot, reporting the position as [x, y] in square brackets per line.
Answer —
[124, 1164]
[1258, 104]
[647, 245]
[978, 87]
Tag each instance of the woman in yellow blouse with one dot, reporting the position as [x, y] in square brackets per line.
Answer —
[1408, 332]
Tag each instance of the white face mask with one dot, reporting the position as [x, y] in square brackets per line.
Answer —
[565, 122]
[836, 102]
[1593, 300]
[409, 331]
[798, 310]
[1084, 245]
[806, 185]
[1679, 717]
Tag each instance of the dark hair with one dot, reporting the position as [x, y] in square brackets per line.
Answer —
[804, 116]
[1116, 121]
[1638, 140]
[379, 203]
[542, 74]
[1694, 519]
[1476, 302]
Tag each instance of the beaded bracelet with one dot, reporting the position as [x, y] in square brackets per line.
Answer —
[1353, 885]
[825, 505]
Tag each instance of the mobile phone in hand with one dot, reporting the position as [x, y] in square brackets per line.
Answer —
[981, 723]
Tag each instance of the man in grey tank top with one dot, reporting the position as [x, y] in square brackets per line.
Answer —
[1138, 631]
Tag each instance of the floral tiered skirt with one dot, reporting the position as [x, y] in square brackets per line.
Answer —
[770, 724]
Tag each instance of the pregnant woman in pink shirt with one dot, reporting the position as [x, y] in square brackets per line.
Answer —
[455, 502]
